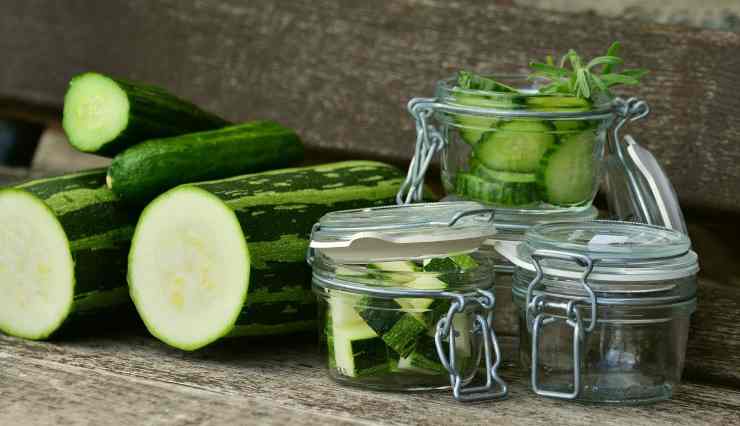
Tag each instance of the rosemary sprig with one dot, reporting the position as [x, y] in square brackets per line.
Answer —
[468, 80]
[571, 76]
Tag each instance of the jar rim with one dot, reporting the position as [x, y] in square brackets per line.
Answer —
[527, 102]
[607, 241]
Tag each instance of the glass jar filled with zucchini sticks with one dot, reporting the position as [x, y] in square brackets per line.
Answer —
[604, 309]
[406, 301]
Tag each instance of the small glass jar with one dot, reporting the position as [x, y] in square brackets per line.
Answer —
[513, 150]
[510, 230]
[604, 309]
[405, 298]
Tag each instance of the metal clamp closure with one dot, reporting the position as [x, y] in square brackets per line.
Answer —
[429, 141]
[494, 387]
[537, 307]
[445, 330]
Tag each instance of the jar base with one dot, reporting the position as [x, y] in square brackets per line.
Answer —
[396, 382]
[635, 394]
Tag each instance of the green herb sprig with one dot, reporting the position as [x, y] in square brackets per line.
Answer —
[469, 81]
[571, 76]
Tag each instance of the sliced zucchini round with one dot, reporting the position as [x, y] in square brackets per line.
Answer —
[36, 267]
[188, 277]
[516, 146]
[96, 111]
[567, 174]
[513, 189]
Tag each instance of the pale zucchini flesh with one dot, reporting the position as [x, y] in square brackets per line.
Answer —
[36, 267]
[189, 268]
[96, 111]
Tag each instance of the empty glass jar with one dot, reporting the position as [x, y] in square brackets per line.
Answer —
[604, 309]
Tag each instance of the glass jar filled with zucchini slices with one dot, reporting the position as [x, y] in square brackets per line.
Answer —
[510, 230]
[604, 309]
[510, 146]
[406, 298]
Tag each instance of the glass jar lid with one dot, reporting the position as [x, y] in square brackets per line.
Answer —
[620, 251]
[402, 232]
[519, 221]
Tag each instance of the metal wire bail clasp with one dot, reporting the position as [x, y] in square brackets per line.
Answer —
[429, 141]
[536, 307]
[491, 350]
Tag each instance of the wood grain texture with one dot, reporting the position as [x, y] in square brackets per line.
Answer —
[134, 379]
[713, 353]
[342, 71]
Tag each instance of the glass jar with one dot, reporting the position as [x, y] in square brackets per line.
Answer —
[604, 309]
[405, 298]
[510, 230]
[513, 150]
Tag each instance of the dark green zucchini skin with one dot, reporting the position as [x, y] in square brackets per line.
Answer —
[277, 210]
[99, 229]
[148, 169]
[156, 113]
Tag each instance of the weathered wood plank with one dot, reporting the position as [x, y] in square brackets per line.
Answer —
[292, 377]
[713, 353]
[38, 392]
[341, 72]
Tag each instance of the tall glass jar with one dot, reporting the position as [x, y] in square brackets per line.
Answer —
[518, 150]
[604, 309]
[405, 298]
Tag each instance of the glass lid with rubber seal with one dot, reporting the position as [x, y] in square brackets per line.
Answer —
[399, 232]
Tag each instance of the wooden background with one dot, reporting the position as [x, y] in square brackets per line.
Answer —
[341, 73]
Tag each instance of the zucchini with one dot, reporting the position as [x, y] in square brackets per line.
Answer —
[193, 278]
[423, 359]
[453, 263]
[516, 146]
[144, 171]
[104, 116]
[566, 177]
[63, 253]
[386, 317]
[509, 190]
[563, 103]
[473, 127]
[358, 351]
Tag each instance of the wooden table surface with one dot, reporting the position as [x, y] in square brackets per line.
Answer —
[127, 377]
[124, 376]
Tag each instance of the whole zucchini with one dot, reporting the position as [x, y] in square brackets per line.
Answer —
[148, 169]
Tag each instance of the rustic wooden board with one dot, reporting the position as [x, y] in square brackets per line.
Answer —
[130, 378]
[342, 71]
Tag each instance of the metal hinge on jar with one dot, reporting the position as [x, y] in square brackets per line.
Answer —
[446, 330]
[483, 326]
[537, 317]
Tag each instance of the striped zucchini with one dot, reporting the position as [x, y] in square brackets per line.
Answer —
[227, 257]
[64, 242]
